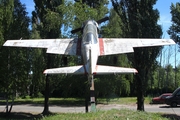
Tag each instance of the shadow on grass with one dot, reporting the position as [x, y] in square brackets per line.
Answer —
[20, 115]
[171, 116]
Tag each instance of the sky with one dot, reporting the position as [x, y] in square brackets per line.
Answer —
[170, 52]
[163, 7]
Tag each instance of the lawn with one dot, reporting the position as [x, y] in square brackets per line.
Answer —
[114, 114]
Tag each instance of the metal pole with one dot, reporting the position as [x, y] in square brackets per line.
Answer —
[92, 94]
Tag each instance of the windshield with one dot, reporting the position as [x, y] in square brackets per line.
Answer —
[174, 93]
[89, 38]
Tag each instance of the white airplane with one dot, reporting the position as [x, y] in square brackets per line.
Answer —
[89, 47]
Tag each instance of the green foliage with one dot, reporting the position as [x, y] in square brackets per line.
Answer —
[6, 10]
[109, 30]
[174, 30]
[14, 61]
[165, 79]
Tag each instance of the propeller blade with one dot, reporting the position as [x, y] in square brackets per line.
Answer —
[102, 20]
[76, 30]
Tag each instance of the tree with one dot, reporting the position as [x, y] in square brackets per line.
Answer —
[6, 8]
[14, 61]
[48, 18]
[174, 30]
[140, 21]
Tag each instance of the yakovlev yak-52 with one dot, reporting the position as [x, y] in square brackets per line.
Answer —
[90, 47]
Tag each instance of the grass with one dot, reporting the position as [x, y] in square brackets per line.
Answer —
[123, 100]
[53, 101]
[114, 114]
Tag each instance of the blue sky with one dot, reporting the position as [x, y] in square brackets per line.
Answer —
[165, 21]
[165, 17]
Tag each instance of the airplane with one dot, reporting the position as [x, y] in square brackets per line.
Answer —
[90, 47]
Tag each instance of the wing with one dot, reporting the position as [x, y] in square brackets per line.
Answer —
[54, 46]
[117, 46]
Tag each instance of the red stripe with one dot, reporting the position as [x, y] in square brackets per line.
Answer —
[101, 46]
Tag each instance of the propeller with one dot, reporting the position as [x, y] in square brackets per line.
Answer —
[102, 20]
[99, 22]
[76, 30]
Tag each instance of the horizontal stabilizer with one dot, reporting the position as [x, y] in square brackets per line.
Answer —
[100, 69]
[66, 70]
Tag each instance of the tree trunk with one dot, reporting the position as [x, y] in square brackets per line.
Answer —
[7, 104]
[140, 94]
[11, 105]
[8, 110]
[46, 98]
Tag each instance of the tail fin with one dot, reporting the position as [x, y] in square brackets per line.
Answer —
[100, 69]
[66, 70]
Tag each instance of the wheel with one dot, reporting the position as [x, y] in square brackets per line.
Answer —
[173, 104]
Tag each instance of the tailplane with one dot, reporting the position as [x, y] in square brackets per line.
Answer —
[66, 70]
[100, 69]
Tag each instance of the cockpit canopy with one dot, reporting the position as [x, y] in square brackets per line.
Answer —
[90, 38]
[90, 32]
[90, 22]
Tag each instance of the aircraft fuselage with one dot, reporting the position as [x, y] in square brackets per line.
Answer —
[90, 46]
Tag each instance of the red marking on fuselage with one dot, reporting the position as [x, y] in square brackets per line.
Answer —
[101, 46]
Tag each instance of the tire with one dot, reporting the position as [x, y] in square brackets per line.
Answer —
[173, 104]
